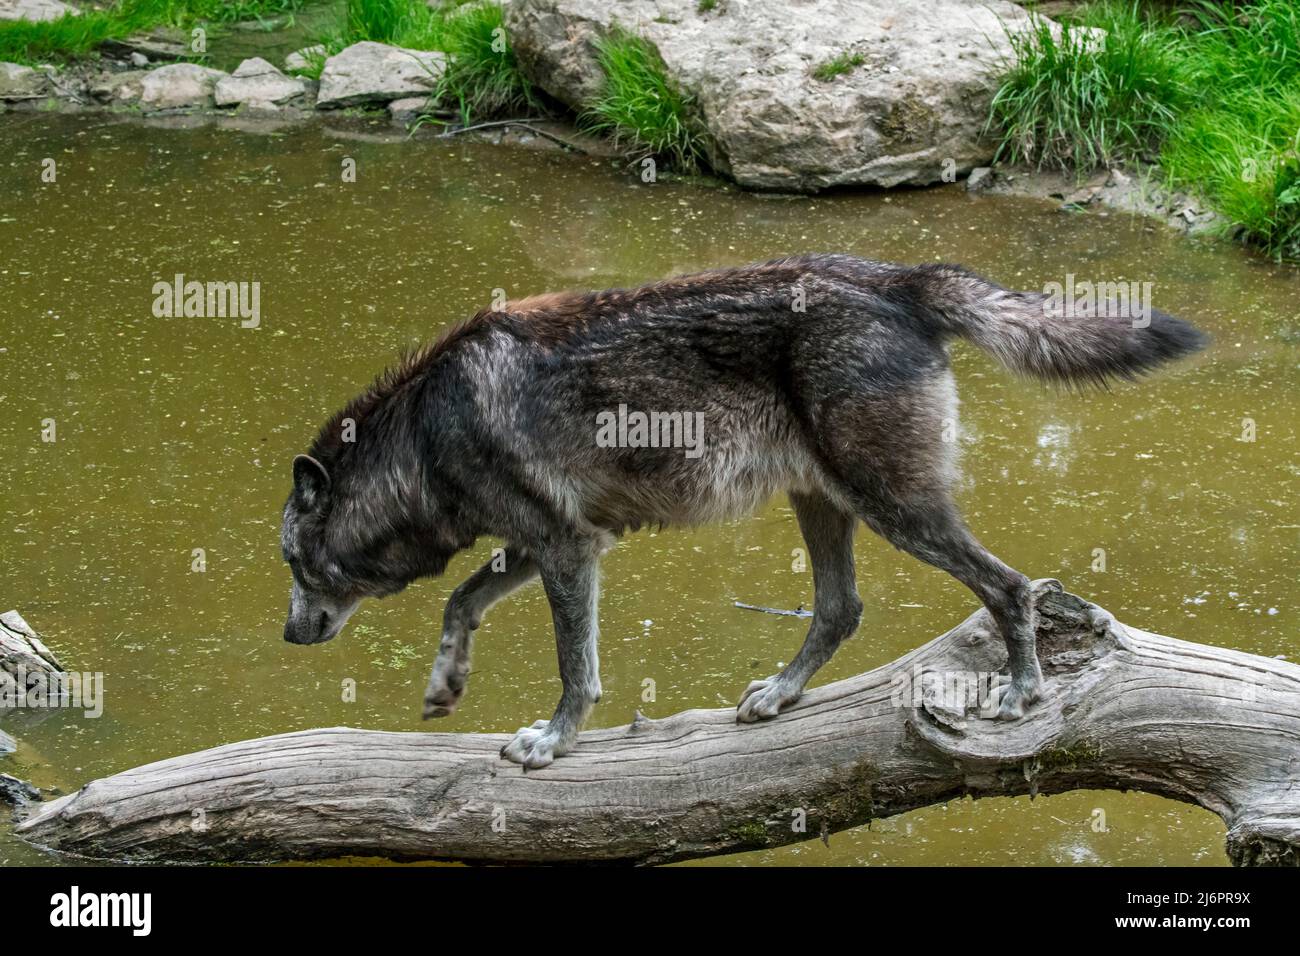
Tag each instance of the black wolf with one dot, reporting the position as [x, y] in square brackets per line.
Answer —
[825, 376]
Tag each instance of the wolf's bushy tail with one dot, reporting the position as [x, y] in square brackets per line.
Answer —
[1040, 335]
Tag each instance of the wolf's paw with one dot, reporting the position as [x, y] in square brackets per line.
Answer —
[765, 698]
[1014, 699]
[533, 746]
[441, 699]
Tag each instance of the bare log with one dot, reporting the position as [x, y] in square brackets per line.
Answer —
[1124, 709]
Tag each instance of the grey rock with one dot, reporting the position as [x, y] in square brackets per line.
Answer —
[913, 106]
[17, 792]
[257, 83]
[178, 86]
[21, 646]
[375, 73]
[1083, 195]
[19, 82]
[406, 111]
[119, 88]
[35, 10]
[138, 59]
[161, 43]
[980, 178]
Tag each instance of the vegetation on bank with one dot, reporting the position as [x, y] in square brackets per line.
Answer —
[1210, 92]
[640, 108]
[482, 78]
[73, 37]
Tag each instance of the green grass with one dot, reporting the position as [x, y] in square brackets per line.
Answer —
[640, 108]
[1072, 102]
[1210, 92]
[482, 78]
[234, 11]
[838, 66]
[408, 23]
[75, 37]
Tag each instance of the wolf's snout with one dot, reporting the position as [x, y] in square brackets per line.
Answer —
[306, 629]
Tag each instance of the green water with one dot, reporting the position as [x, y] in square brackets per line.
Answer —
[176, 434]
[276, 37]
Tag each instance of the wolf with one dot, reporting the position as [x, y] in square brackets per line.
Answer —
[825, 376]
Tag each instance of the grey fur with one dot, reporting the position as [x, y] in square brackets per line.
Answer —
[843, 403]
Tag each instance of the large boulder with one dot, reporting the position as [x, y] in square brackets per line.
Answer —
[375, 73]
[257, 83]
[906, 105]
[18, 82]
[179, 86]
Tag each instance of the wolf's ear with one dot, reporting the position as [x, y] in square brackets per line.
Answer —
[311, 483]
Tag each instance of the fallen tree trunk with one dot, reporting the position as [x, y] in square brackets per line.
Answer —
[1123, 709]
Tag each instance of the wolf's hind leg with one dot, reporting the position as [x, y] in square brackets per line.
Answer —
[892, 454]
[465, 609]
[569, 574]
[828, 532]
[935, 533]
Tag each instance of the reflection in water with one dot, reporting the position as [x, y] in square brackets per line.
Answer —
[176, 435]
[1054, 445]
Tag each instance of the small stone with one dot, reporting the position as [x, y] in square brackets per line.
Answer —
[119, 88]
[1081, 197]
[19, 82]
[138, 59]
[178, 86]
[257, 83]
[407, 110]
[981, 177]
[16, 792]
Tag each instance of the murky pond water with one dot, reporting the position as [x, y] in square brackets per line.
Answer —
[176, 434]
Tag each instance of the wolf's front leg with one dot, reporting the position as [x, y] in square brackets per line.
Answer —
[465, 610]
[569, 575]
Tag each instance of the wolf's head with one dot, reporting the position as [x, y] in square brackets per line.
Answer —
[322, 598]
[363, 532]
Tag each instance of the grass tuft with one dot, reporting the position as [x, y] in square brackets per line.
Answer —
[838, 66]
[482, 79]
[640, 108]
[1072, 100]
